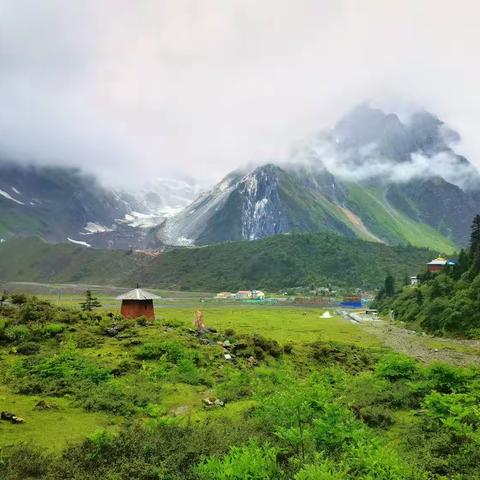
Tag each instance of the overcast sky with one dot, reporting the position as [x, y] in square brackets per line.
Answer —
[132, 89]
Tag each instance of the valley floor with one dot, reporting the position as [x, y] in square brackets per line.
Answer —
[424, 348]
[84, 380]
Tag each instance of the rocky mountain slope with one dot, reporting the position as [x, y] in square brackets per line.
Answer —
[373, 176]
[63, 204]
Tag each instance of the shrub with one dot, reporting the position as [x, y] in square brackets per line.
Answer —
[108, 397]
[63, 373]
[446, 378]
[143, 321]
[53, 329]
[87, 340]
[35, 310]
[28, 348]
[173, 351]
[396, 367]
[376, 416]
[350, 357]
[238, 385]
[171, 322]
[23, 462]
[187, 372]
[270, 347]
[324, 470]
[17, 333]
[3, 327]
[249, 461]
[288, 348]
[18, 298]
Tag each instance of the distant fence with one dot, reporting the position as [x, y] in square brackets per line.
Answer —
[266, 301]
[317, 301]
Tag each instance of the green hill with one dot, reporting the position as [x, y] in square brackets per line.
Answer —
[277, 262]
[445, 302]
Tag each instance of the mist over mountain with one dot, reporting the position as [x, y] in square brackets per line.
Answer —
[375, 175]
[372, 175]
[65, 204]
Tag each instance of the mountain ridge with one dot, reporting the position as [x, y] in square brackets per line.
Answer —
[280, 261]
[374, 176]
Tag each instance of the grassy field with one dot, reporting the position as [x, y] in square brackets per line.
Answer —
[99, 376]
[50, 429]
[68, 422]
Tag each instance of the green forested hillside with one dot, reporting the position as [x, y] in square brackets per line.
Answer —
[446, 302]
[278, 262]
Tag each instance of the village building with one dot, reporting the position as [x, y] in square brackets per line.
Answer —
[258, 295]
[224, 295]
[414, 280]
[437, 265]
[138, 303]
[243, 295]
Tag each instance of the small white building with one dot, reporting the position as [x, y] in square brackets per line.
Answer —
[414, 280]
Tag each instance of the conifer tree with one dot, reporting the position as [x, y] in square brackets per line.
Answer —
[389, 286]
[475, 247]
[462, 265]
[90, 302]
[475, 235]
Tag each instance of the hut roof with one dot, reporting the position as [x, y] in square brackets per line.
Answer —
[438, 261]
[137, 294]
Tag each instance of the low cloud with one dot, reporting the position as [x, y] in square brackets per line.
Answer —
[365, 164]
[132, 90]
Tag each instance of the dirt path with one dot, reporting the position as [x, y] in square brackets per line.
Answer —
[423, 347]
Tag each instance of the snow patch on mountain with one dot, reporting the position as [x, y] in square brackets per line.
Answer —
[78, 242]
[141, 220]
[186, 226]
[92, 227]
[9, 197]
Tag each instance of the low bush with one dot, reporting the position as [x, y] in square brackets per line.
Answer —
[87, 339]
[17, 333]
[396, 367]
[28, 348]
[56, 375]
[187, 372]
[376, 416]
[250, 461]
[445, 378]
[239, 384]
[108, 397]
[354, 359]
[173, 351]
[53, 329]
[18, 298]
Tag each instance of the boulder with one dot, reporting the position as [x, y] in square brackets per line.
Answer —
[210, 402]
[45, 405]
[11, 417]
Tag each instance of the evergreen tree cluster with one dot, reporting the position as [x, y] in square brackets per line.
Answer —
[447, 302]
